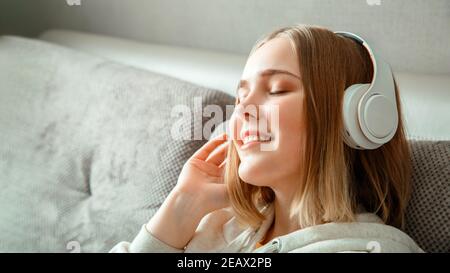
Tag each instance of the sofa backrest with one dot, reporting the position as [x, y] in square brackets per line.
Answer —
[425, 98]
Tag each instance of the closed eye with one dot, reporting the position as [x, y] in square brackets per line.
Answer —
[278, 92]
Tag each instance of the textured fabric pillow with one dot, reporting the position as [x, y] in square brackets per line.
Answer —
[86, 152]
[428, 213]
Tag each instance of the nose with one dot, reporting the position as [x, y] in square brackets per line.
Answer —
[248, 108]
[247, 112]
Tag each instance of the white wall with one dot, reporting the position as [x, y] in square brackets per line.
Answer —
[413, 35]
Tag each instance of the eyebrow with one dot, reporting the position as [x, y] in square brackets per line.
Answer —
[268, 72]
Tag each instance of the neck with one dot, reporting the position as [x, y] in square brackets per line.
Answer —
[282, 223]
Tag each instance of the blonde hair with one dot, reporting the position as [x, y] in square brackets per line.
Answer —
[335, 178]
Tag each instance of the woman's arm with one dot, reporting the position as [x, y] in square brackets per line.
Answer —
[177, 219]
[199, 190]
[170, 229]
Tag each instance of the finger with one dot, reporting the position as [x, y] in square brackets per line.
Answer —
[223, 164]
[208, 168]
[206, 149]
[218, 155]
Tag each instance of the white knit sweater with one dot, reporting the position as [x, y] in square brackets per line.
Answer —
[219, 231]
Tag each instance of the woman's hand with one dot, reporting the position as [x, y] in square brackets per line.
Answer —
[199, 190]
[202, 175]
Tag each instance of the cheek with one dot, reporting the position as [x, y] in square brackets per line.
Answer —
[291, 125]
[291, 132]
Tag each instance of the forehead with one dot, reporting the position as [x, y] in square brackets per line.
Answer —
[275, 54]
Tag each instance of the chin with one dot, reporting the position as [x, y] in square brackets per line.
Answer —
[253, 174]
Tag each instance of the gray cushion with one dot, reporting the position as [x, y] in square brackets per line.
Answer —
[428, 213]
[86, 152]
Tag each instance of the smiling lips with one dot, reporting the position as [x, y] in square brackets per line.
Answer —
[248, 136]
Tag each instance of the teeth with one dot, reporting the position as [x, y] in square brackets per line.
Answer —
[248, 139]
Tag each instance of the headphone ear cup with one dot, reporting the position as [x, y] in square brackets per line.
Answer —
[353, 135]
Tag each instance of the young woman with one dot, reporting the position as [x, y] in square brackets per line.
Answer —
[312, 192]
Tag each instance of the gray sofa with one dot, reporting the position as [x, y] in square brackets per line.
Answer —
[86, 153]
[87, 157]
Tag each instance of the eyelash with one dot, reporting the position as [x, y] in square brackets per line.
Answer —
[270, 93]
[277, 92]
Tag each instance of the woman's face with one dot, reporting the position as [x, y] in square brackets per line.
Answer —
[268, 124]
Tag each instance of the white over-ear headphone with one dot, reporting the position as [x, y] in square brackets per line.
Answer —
[370, 110]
